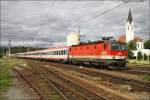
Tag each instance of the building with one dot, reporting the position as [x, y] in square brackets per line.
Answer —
[129, 28]
[129, 36]
[73, 39]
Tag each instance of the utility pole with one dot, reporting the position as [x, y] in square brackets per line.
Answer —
[9, 47]
[79, 33]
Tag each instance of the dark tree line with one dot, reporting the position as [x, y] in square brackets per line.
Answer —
[4, 50]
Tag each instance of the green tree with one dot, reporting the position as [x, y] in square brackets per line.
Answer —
[130, 54]
[139, 55]
[145, 56]
[147, 44]
[131, 45]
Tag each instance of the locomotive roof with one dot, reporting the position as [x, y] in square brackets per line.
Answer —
[94, 42]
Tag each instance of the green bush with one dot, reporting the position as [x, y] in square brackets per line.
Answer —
[130, 54]
[1, 55]
[139, 55]
[145, 56]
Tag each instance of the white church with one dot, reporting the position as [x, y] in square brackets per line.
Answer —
[130, 36]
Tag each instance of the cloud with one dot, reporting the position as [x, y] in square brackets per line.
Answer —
[47, 23]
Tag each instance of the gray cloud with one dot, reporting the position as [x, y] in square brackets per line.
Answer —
[47, 23]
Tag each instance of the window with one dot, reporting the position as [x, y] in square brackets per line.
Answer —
[115, 46]
[62, 52]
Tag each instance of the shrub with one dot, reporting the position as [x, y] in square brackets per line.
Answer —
[130, 54]
[139, 55]
[145, 56]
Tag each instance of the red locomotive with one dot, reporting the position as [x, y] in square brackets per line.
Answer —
[101, 53]
[104, 53]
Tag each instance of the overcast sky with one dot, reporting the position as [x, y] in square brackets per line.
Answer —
[47, 23]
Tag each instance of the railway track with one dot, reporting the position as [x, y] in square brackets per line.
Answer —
[136, 71]
[86, 94]
[34, 87]
[69, 94]
[137, 85]
[65, 92]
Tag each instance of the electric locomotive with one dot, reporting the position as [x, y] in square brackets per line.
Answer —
[105, 53]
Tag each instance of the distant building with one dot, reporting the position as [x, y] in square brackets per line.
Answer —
[129, 28]
[130, 37]
[139, 42]
[73, 39]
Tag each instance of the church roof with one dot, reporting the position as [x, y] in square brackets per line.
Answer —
[129, 17]
[122, 39]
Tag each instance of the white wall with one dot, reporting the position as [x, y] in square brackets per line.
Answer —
[139, 45]
[146, 51]
[73, 39]
[129, 32]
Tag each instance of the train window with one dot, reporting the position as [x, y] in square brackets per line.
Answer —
[64, 52]
[123, 47]
[115, 46]
[61, 52]
[58, 52]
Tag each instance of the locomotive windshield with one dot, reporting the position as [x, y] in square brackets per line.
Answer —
[117, 46]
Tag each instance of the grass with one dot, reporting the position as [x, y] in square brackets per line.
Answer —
[6, 64]
[138, 63]
[147, 77]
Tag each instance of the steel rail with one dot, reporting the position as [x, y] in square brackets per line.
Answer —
[56, 86]
[40, 94]
[136, 85]
[90, 93]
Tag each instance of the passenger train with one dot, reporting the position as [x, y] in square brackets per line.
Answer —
[100, 53]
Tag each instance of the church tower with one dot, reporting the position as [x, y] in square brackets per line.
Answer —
[129, 28]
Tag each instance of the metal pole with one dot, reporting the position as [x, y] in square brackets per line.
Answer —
[9, 47]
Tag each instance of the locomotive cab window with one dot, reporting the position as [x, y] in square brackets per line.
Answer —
[115, 46]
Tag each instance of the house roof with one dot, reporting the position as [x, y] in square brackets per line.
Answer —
[122, 39]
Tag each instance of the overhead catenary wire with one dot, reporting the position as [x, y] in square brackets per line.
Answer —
[48, 13]
[105, 12]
